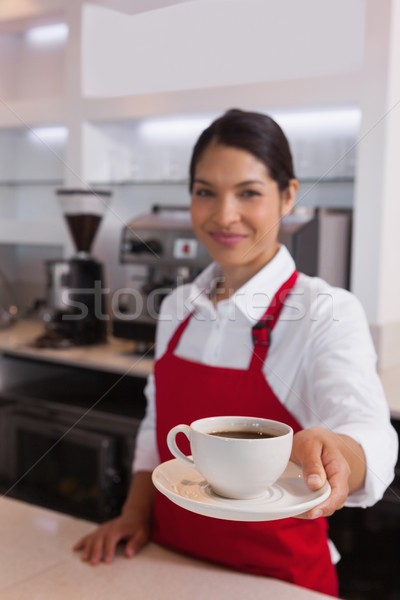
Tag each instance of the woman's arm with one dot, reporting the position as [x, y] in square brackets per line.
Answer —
[133, 525]
[339, 400]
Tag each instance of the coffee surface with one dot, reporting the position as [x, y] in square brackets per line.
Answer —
[244, 434]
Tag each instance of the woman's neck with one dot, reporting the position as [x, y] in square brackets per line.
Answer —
[230, 281]
[233, 278]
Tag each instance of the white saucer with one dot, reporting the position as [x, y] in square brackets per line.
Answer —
[288, 497]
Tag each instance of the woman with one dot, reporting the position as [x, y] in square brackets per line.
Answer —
[251, 336]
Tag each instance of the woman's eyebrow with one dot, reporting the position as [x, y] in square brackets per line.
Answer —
[250, 182]
[240, 184]
[202, 182]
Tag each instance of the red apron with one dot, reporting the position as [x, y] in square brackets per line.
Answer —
[293, 550]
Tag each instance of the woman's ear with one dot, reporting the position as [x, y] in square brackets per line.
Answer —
[288, 197]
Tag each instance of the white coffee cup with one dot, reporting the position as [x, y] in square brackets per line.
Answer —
[236, 467]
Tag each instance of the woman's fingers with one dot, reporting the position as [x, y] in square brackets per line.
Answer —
[318, 453]
[135, 543]
[102, 543]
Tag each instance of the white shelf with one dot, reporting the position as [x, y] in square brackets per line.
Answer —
[15, 183]
[19, 114]
[43, 232]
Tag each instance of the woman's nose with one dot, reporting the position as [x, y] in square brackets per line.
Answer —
[227, 212]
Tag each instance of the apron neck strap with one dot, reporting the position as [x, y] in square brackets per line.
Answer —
[173, 342]
[261, 332]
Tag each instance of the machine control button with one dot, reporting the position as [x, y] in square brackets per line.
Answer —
[185, 248]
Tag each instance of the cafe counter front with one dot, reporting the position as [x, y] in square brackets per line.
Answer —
[37, 562]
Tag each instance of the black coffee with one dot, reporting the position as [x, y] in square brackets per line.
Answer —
[244, 434]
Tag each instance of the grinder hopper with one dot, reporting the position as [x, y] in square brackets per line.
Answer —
[83, 210]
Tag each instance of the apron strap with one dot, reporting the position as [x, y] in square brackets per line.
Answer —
[173, 342]
[261, 332]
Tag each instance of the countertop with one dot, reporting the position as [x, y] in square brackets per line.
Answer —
[116, 355]
[36, 561]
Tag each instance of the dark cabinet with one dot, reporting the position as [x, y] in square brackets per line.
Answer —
[68, 436]
[369, 543]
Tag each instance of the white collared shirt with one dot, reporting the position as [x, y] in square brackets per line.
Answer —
[321, 363]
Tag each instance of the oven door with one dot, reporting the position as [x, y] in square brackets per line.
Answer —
[61, 466]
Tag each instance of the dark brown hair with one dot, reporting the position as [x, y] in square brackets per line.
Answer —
[254, 132]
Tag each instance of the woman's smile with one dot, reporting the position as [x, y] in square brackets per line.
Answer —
[227, 238]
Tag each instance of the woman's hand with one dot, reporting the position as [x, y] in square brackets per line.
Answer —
[101, 543]
[326, 456]
[133, 525]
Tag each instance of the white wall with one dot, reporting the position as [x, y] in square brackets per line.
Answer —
[376, 272]
[207, 43]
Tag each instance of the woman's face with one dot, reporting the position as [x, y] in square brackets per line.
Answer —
[236, 207]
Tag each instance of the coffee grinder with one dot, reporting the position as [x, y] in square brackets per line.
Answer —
[76, 312]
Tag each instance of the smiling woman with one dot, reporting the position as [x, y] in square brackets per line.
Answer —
[242, 182]
[236, 211]
[286, 358]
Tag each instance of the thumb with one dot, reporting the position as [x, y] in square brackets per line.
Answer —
[134, 544]
[315, 481]
[314, 474]
[307, 452]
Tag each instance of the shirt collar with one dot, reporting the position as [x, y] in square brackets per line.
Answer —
[254, 297]
[201, 288]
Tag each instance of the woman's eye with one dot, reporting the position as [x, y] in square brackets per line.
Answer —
[250, 193]
[203, 192]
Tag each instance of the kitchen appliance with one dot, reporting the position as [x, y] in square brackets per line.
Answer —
[76, 304]
[162, 251]
[320, 242]
[61, 447]
[299, 233]
[8, 304]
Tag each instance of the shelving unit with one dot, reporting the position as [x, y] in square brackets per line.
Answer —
[51, 135]
[33, 140]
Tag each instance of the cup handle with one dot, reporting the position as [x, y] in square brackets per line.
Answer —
[171, 441]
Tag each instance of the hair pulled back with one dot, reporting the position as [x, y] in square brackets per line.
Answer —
[253, 132]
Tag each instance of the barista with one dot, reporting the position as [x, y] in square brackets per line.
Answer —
[317, 374]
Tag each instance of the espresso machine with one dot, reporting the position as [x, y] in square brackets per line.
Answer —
[76, 311]
[161, 251]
